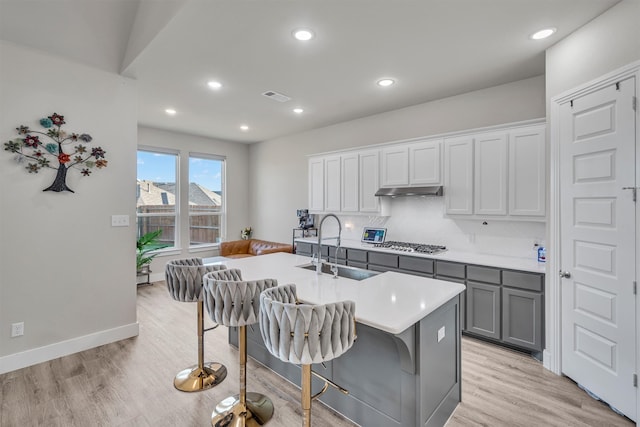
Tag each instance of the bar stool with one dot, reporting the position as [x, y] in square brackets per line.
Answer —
[184, 281]
[304, 334]
[232, 302]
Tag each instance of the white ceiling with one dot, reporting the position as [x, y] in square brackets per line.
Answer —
[433, 48]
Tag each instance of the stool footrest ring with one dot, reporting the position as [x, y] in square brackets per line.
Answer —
[327, 383]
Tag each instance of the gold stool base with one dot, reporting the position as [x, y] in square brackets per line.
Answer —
[197, 379]
[231, 413]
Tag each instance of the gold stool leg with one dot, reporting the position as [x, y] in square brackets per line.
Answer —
[306, 396]
[202, 376]
[246, 408]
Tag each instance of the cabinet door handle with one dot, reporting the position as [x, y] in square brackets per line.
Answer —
[565, 274]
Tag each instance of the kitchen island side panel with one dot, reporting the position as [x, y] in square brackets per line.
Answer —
[408, 379]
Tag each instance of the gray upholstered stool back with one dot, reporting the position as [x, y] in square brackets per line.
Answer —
[184, 278]
[303, 333]
[231, 301]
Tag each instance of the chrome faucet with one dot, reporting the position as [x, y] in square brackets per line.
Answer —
[319, 264]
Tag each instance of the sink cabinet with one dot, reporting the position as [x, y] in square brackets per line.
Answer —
[379, 261]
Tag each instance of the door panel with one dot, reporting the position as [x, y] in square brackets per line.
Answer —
[598, 232]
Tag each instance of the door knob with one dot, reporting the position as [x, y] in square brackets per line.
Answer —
[565, 274]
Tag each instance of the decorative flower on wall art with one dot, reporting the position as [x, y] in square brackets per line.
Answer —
[36, 154]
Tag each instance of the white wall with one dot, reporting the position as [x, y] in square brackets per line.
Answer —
[237, 181]
[64, 271]
[278, 181]
[610, 41]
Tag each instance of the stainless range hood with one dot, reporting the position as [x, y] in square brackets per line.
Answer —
[410, 191]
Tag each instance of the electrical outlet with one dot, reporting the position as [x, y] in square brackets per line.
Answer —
[119, 220]
[17, 329]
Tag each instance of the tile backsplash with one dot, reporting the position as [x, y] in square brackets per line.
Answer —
[422, 220]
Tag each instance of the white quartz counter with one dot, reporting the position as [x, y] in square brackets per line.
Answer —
[389, 301]
[512, 263]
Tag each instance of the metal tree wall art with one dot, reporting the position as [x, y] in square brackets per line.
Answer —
[33, 152]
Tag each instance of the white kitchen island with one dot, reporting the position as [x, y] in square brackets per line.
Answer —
[404, 369]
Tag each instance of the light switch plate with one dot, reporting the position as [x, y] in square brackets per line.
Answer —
[119, 220]
[440, 334]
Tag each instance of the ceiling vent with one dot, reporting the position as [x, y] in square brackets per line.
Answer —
[276, 96]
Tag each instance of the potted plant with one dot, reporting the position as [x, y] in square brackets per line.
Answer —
[147, 243]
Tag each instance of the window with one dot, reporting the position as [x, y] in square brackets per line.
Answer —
[156, 194]
[206, 208]
[168, 186]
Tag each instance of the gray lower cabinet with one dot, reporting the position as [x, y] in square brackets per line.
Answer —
[309, 249]
[483, 309]
[416, 265]
[304, 248]
[506, 306]
[341, 255]
[522, 318]
[383, 262]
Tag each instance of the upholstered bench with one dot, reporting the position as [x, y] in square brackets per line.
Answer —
[252, 247]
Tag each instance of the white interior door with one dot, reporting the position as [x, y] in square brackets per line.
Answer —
[598, 232]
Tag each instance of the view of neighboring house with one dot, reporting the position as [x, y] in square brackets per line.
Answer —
[159, 199]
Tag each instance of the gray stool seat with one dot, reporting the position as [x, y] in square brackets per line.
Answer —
[304, 334]
[236, 303]
[184, 282]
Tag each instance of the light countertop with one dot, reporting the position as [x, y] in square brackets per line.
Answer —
[512, 263]
[389, 301]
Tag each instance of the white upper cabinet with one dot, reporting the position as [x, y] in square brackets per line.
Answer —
[395, 166]
[458, 175]
[346, 183]
[490, 183]
[499, 175]
[369, 181]
[316, 184]
[527, 171]
[424, 163]
[332, 183]
[412, 164]
[350, 182]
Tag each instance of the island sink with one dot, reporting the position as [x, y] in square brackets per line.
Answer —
[346, 272]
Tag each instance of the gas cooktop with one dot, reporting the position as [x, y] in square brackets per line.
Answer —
[412, 247]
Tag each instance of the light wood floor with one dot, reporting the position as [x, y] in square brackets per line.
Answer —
[130, 383]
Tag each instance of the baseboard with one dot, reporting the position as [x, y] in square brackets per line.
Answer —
[23, 359]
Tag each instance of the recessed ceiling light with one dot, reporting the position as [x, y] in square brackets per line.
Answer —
[303, 34]
[385, 82]
[244, 128]
[214, 84]
[542, 34]
[298, 110]
[170, 111]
